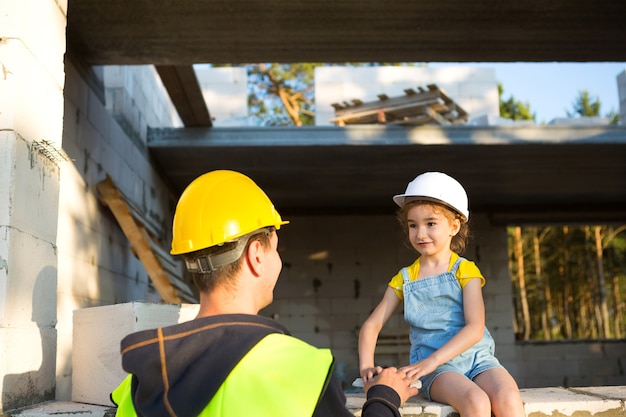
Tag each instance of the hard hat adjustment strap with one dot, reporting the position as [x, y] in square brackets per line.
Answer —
[209, 263]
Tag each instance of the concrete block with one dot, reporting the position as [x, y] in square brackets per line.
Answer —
[98, 331]
[599, 366]
[40, 26]
[28, 92]
[27, 366]
[32, 281]
[565, 403]
[74, 90]
[615, 349]
[344, 339]
[302, 322]
[587, 350]
[343, 305]
[316, 339]
[609, 392]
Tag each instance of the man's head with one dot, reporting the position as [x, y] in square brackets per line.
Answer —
[218, 215]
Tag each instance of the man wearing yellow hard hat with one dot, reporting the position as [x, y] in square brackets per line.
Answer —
[230, 361]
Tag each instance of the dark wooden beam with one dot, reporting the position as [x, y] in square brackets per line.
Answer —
[182, 85]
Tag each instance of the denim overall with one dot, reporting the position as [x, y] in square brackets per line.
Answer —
[433, 306]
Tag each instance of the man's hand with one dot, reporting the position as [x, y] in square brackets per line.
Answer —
[395, 379]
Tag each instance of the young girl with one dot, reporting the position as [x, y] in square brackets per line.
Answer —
[452, 352]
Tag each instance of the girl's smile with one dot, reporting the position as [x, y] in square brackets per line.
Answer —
[430, 230]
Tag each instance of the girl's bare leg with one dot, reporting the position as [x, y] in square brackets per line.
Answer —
[503, 392]
[461, 393]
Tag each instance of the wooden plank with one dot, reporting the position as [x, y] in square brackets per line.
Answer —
[113, 199]
[172, 269]
[388, 107]
[410, 109]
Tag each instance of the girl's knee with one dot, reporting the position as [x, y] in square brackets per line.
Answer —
[508, 403]
[476, 403]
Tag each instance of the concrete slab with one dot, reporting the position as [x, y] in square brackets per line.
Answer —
[416, 406]
[566, 402]
[65, 409]
[554, 401]
[617, 393]
[538, 402]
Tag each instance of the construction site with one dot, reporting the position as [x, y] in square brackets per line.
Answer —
[105, 119]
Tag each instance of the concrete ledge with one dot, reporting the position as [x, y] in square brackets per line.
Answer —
[64, 409]
[538, 402]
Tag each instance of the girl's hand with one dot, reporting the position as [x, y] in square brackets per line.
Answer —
[419, 369]
[395, 379]
[368, 374]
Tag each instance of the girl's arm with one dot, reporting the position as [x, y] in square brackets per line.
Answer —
[469, 335]
[368, 336]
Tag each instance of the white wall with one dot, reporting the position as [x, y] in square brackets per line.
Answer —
[32, 45]
[105, 134]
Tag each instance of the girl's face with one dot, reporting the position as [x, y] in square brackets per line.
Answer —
[431, 228]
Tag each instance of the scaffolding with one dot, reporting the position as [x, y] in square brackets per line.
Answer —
[425, 106]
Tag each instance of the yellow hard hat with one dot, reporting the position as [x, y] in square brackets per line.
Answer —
[218, 207]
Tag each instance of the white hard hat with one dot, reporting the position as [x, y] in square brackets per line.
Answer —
[437, 187]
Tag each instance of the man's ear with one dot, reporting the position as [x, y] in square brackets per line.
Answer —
[254, 257]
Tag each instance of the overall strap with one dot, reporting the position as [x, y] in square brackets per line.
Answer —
[456, 265]
[405, 275]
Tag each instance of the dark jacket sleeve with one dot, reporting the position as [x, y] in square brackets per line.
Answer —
[382, 401]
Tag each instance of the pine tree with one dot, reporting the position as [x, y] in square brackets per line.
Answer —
[514, 109]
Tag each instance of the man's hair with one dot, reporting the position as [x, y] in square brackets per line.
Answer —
[225, 274]
[459, 241]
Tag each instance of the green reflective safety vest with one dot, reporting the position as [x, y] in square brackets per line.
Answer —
[280, 376]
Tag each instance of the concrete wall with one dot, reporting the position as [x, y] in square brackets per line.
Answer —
[105, 135]
[32, 44]
[572, 363]
[336, 270]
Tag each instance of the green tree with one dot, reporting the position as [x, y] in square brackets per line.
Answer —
[282, 94]
[585, 106]
[614, 117]
[569, 282]
[513, 109]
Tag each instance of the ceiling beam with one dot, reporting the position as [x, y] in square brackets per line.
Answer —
[184, 90]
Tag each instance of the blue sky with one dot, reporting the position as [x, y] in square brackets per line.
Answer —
[551, 88]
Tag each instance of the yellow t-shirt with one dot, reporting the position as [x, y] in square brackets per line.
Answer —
[467, 271]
